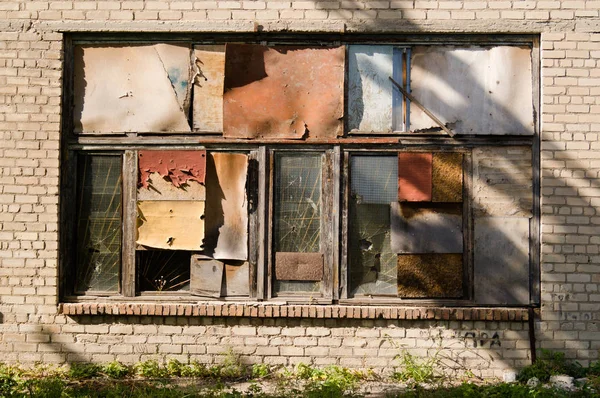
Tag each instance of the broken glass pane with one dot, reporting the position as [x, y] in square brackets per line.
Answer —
[98, 223]
[373, 265]
[297, 212]
[163, 270]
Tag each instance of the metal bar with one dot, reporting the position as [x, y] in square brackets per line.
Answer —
[427, 112]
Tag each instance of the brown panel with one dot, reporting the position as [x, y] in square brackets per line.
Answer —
[171, 225]
[430, 275]
[208, 88]
[226, 207]
[414, 176]
[447, 177]
[298, 266]
[161, 188]
[206, 276]
[283, 92]
[124, 88]
[178, 166]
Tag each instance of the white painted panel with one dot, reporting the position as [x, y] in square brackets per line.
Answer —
[475, 90]
[369, 88]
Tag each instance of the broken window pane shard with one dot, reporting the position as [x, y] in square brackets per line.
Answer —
[131, 88]
[473, 90]
[283, 92]
[179, 167]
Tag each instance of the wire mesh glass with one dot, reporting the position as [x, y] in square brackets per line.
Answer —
[297, 211]
[98, 223]
[373, 265]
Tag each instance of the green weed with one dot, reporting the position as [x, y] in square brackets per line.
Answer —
[549, 364]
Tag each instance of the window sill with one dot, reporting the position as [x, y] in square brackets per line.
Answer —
[279, 310]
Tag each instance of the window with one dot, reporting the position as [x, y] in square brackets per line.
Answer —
[338, 172]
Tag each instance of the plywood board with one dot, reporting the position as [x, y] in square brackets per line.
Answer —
[128, 88]
[227, 206]
[502, 182]
[298, 266]
[369, 88]
[208, 88]
[179, 167]
[501, 260]
[158, 188]
[426, 229]
[283, 92]
[473, 90]
[236, 281]
[206, 276]
[430, 275]
[414, 176]
[171, 225]
[447, 177]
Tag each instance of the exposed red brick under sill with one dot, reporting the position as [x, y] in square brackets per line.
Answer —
[296, 311]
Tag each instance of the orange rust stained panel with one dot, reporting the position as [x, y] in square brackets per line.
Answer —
[283, 92]
[414, 177]
[178, 166]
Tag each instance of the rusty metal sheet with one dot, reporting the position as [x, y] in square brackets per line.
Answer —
[430, 275]
[369, 88]
[298, 266]
[179, 167]
[501, 260]
[414, 176]
[208, 88]
[237, 279]
[426, 229]
[159, 188]
[227, 206]
[502, 181]
[283, 92]
[206, 276]
[447, 177]
[131, 88]
[473, 90]
[171, 225]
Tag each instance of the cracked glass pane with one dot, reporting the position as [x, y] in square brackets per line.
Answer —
[98, 223]
[297, 212]
[372, 265]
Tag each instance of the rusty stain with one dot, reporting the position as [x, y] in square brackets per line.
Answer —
[171, 225]
[208, 88]
[226, 206]
[283, 92]
[414, 176]
[206, 276]
[131, 88]
[430, 275]
[447, 177]
[179, 166]
[426, 228]
[298, 266]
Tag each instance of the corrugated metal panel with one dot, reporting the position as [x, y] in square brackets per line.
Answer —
[206, 276]
[414, 176]
[179, 167]
[475, 90]
[298, 266]
[369, 88]
[283, 92]
[171, 225]
[447, 177]
[431, 229]
[430, 275]
[227, 207]
[208, 88]
[121, 88]
[501, 260]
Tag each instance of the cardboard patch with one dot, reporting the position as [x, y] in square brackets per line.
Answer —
[298, 266]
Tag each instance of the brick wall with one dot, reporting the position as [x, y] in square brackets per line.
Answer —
[31, 327]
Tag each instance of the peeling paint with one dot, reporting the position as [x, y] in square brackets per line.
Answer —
[283, 92]
[178, 166]
[128, 88]
[171, 225]
[161, 188]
